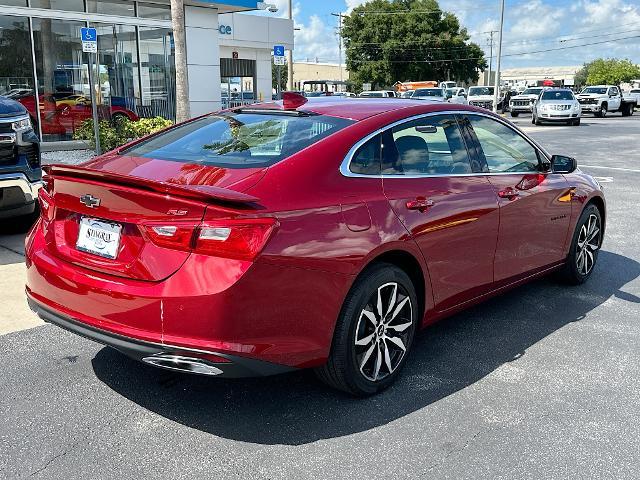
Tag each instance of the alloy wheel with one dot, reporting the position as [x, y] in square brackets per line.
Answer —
[383, 331]
[588, 243]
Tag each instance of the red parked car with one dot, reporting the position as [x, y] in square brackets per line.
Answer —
[303, 234]
[60, 118]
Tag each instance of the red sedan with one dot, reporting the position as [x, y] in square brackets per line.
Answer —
[303, 234]
[60, 118]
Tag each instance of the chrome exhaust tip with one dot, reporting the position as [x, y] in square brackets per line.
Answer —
[182, 364]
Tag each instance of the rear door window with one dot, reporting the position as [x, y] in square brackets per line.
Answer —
[366, 160]
[427, 146]
[236, 140]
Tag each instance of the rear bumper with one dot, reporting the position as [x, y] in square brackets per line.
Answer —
[263, 311]
[234, 366]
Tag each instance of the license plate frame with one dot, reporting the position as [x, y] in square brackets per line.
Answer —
[99, 237]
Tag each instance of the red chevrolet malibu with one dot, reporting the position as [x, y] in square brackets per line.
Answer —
[302, 234]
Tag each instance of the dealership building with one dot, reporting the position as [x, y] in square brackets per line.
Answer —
[42, 64]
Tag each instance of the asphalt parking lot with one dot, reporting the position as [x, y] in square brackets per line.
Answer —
[543, 382]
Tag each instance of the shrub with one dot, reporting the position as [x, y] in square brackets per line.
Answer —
[119, 132]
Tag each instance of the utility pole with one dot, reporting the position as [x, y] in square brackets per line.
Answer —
[290, 55]
[339, 15]
[490, 54]
[496, 93]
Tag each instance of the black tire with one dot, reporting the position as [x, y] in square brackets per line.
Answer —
[603, 111]
[576, 123]
[343, 368]
[536, 121]
[515, 114]
[627, 110]
[572, 273]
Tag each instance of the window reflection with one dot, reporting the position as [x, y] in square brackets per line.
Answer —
[16, 69]
[119, 92]
[155, 11]
[157, 73]
[63, 80]
[124, 8]
[67, 5]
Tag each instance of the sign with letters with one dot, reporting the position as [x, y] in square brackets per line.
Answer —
[89, 37]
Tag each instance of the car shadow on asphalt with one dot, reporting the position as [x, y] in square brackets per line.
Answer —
[296, 409]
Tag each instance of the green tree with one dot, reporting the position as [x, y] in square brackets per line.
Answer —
[580, 78]
[283, 77]
[389, 41]
[611, 71]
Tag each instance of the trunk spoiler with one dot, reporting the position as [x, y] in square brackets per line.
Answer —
[199, 192]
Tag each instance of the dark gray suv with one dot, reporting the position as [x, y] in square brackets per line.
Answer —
[20, 173]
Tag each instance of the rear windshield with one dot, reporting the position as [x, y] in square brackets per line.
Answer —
[428, 92]
[557, 95]
[236, 140]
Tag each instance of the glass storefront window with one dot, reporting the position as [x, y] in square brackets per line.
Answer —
[16, 69]
[14, 3]
[155, 11]
[67, 5]
[122, 8]
[63, 77]
[157, 72]
[118, 71]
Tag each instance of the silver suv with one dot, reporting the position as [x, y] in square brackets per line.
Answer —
[557, 105]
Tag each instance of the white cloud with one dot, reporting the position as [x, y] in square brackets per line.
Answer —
[316, 40]
[529, 26]
[351, 4]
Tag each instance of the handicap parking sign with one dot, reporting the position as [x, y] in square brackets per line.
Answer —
[88, 34]
[278, 51]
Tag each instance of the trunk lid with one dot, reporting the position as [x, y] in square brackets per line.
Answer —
[144, 193]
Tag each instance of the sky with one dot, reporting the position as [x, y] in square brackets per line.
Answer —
[611, 27]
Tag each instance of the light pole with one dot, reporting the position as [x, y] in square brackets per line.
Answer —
[496, 93]
[290, 55]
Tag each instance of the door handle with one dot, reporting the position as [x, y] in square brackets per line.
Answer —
[420, 204]
[509, 193]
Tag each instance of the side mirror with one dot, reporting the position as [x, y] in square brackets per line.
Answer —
[563, 164]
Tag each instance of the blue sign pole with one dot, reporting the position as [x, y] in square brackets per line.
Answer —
[278, 57]
[89, 37]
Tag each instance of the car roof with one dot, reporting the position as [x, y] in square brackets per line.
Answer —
[355, 108]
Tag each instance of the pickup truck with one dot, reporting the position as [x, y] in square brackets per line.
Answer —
[483, 97]
[20, 173]
[603, 99]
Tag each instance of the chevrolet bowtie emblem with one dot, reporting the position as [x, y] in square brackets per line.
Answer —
[90, 201]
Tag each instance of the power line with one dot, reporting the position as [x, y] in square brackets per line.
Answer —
[505, 55]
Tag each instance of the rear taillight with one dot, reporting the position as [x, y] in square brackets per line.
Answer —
[46, 204]
[177, 236]
[240, 239]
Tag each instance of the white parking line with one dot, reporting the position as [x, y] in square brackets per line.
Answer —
[612, 168]
[604, 179]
